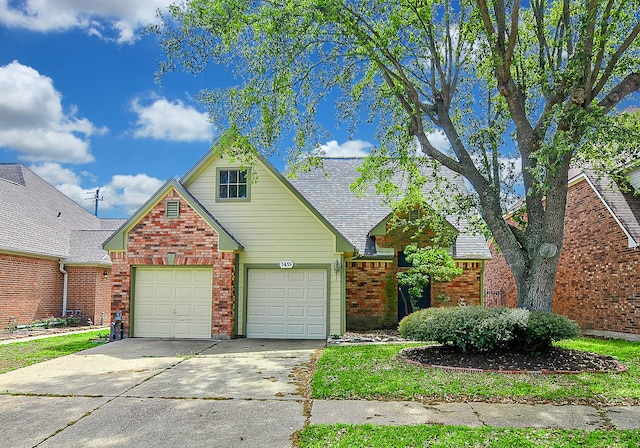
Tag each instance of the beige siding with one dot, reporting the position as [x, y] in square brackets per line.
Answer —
[272, 226]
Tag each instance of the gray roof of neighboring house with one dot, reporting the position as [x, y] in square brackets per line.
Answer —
[328, 190]
[37, 219]
[625, 205]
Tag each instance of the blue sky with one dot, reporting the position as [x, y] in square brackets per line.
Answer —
[79, 105]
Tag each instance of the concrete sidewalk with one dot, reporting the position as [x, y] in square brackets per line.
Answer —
[475, 414]
[234, 393]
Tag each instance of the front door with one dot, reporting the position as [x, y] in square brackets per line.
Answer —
[406, 305]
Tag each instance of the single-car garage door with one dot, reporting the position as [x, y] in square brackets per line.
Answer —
[172, 303]
[287, 303]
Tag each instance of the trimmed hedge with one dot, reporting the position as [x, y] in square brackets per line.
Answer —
[484, 329]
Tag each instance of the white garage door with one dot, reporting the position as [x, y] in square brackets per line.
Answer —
[287, 303]
[172, 303]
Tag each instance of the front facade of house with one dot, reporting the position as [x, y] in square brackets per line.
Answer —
[51, 260]
[230, 252]
[598, 279]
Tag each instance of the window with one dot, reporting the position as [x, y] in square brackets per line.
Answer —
[232, 184]
[172, 209]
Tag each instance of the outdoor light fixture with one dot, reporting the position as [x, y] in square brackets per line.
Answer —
[336, 266]
[105, 274]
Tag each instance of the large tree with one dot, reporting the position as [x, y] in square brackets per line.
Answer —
[535, 84]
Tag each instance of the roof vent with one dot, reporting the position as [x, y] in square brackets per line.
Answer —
[172, 209]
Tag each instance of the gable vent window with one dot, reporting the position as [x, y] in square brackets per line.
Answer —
[232, 184]
[173, 209]
[414, 215]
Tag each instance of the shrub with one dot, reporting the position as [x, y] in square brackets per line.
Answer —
[543, 329]
[484, 329]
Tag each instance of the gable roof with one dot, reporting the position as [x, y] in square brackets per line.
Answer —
[328, 189]
[37, 219]
[226, 241]
[343, 244]
[624, 206]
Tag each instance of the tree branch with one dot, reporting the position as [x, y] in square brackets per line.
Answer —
[629, 84]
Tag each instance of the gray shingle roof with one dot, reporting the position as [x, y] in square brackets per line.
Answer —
[624, 205]
[37, 219]
[328, 190]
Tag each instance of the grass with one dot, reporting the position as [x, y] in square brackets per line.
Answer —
[375, 372]
[21, 354]
[348, 436]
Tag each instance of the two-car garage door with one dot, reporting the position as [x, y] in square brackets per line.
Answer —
[172, 303]
[287, 303]
[281, 303]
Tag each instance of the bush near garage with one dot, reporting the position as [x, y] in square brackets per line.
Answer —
[475, 328]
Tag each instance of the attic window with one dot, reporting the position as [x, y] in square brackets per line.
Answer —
[172, 209]
[232, 184]
[414, 215]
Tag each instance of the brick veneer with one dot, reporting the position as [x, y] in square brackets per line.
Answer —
[90, 292]
[598, 274]
[463, 289]
[372, 292]
[30, 289]
[371, 295]
[193, 242]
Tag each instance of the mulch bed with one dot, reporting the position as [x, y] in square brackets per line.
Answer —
[556, 360]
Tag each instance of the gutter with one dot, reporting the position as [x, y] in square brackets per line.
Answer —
[65, 283]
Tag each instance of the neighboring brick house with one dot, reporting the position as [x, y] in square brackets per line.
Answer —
[221, 254]
[598, 280]
[48, 241]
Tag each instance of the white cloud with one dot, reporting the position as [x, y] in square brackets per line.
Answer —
[32, 120]
[55, 174]
[171, 120]
[350, 148]
[109, 19]
[126, 193]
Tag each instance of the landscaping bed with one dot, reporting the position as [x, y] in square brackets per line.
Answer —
[555, 360]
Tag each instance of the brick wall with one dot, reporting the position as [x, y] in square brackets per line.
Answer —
[371, 295]
[463, 289]
[90, 292]
[30, 289]
[598, 274]
[193, 242]
[372, 292]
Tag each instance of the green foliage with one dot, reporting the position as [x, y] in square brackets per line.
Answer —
[486, 329]
[502, 94]
[544, 328]
[429, 264]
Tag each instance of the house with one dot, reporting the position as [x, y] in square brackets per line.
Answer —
[51, 259]
[598, 279]
[230, 251]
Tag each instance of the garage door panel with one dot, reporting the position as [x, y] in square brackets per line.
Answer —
[163, 311]
[172, 303]
[296, 311]
[182, 311]
[276, 311]
[297, 294]
[284, 303]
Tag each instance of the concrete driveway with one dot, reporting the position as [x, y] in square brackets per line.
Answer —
[160, 393]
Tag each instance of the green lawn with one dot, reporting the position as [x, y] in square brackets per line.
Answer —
[21, 354]
[348, 436]
[375, 372]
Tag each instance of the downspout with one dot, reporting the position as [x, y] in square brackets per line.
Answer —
[65, 282]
